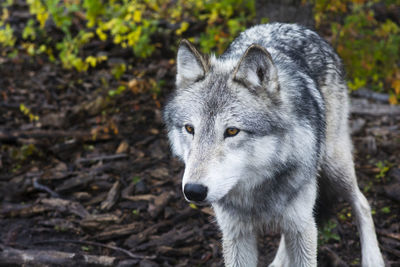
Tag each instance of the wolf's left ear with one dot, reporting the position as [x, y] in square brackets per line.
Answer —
[256, 70]
[191, 65]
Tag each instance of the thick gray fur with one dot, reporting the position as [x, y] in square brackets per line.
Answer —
[283, 87]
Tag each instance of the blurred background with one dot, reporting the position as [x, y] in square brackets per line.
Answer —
[86, 175]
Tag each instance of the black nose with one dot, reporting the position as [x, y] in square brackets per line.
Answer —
[195, 192]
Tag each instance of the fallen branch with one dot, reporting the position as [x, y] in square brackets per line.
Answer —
[393, 251]
[41, 187]
[97, 244]
[15, 136]
[11, 256]
[118, 231]
[112, 197]
[390, 235]
[64, 205]
[103, 158]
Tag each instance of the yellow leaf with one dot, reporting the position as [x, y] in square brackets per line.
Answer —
[101, 34]
[42, 18]
[79, 64]
[5, 15]
[183, 28]
[23, 108]
[193, 206]
[91, 60]
[393, 100]
[117, 39]
[134, 36]
[396, 86]
[128, 17]
[31, 49]
[101, 58]
[42, 48]
[137, 16]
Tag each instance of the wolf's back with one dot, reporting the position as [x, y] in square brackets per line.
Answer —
[309, 52]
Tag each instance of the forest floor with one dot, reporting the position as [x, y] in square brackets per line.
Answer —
[92, 182]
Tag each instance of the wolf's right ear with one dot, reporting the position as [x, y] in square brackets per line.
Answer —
[191, 65]
[257, 71]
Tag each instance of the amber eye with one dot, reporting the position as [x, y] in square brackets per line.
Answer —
[189, 128]
[231, 132]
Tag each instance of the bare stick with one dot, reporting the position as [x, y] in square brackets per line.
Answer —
[92, 243]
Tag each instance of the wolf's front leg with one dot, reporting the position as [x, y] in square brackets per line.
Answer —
[300, 230]
[239, 240]
[302, 246]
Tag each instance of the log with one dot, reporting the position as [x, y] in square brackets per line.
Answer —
[365, 93]
[364, 107]
[11, 256]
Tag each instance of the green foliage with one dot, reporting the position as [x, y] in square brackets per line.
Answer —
[7, 38]
[344, 214]
[63, 30]
[20, 155]
[136, 179]
[118, 91]
[383, 167]
[118, 70]
[327, 233]
[369, 48]
[129, 24]
[225, 20]
[385, 210]
[86, 248]
[135, 212]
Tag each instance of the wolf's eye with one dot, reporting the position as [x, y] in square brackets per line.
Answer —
[230, 132]
[189, 128]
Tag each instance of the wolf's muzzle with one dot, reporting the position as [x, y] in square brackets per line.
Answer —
[195, 192]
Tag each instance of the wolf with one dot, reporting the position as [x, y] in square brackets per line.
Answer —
[263, 132]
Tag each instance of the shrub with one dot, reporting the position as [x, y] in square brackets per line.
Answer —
[370, 48]
[128, 24]
[64, 29]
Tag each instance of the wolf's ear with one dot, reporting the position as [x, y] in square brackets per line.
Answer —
[256, 70]
[191, 65]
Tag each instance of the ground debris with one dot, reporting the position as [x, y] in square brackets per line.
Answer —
[22, 210]
[64, 205]
[74, 182]
[94, 177]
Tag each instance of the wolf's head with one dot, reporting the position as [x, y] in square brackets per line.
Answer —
[223, 120]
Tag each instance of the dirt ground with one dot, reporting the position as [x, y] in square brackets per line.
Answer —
[92, 182]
